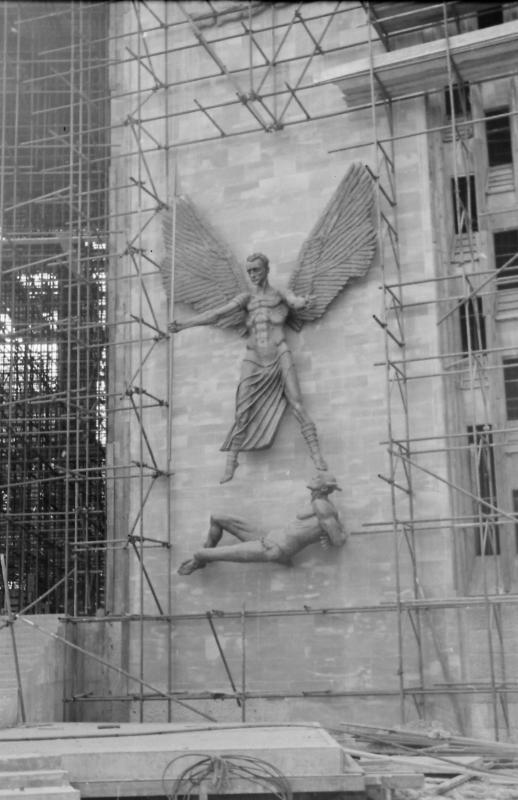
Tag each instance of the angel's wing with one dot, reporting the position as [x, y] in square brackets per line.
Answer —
[340, 246]
[206, 275]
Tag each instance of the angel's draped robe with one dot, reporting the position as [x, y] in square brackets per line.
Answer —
[260, 403]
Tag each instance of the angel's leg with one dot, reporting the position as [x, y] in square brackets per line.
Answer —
[241, 420]
[231, 464]
[294, 398]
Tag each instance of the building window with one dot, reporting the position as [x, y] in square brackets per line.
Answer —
[515, 511]
[506, 246]
[464, 204]
[487, 17]
[498, 134]
[487, 535]
[472, 325]
[511, 387]
[461, 100]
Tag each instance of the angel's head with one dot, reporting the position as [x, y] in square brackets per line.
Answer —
[258, 267]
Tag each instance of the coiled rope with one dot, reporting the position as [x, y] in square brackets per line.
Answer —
[217, 770]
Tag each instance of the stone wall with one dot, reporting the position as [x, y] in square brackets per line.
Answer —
[264, 191]
[41, 660]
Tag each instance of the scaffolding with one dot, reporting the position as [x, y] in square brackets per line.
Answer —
[63, 135]
[53, 248]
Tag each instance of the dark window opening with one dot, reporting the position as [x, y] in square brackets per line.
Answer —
[464, 204]
[472, 325]
[487, 535]
[487, 17]
[498, 134]
[511, 387]
[506, 246]
[461, 100]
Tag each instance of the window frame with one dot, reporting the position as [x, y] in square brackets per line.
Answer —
[489, 15]
[497, 120]
[488, 489]
[472, 322]
[511, 403]
[463, 182]
[461, 92]
[508, 278]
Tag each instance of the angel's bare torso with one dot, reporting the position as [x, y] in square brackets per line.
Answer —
[266, 314]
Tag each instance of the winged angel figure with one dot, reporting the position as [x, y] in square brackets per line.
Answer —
[207, 277]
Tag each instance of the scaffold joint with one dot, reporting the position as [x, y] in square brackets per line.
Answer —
[156, 473]
[386, 329]
[131, 250]
[134, 538]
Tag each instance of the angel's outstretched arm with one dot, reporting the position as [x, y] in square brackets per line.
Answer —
[211, 316]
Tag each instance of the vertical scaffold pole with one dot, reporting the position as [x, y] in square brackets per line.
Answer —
[480, 445]
[400, 476]
[171, 189]
[13, 638]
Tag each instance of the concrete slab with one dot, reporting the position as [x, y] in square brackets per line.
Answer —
[41, 793]
[131, 759]
[33, 779]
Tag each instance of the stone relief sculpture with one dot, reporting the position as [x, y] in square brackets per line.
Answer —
[207, 277]
[318, 523]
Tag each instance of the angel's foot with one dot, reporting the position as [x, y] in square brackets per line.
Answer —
[230, 467]
[189, 566]
[320, 464]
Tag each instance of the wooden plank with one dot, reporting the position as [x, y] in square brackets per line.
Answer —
[145, 787]
[435, 766]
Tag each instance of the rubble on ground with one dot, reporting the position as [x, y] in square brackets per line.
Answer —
[427, 762]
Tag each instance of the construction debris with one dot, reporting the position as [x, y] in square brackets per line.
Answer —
[450, 766]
